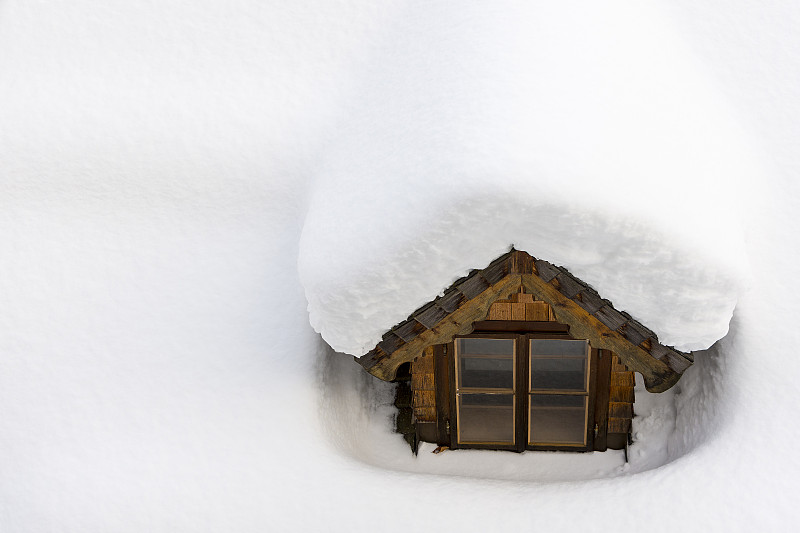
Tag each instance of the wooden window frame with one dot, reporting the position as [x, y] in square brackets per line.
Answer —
[454, 391]
[447, 418]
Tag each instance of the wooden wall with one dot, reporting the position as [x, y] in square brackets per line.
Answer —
[620, 405]
[521, 306]
[423, 388]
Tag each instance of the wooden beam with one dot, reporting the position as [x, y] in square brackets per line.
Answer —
[601, 399]
[658, 377]
[458, 323]
[521, 326]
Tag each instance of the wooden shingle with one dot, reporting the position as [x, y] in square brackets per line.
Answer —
[451, 300]
[569, 286]
[473, 285]
[408, 330]
[609, 316]
[390, 343]
[545, 270]
[430, 316]
[590, 300]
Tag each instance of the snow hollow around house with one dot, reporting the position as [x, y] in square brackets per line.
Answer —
[358, 417]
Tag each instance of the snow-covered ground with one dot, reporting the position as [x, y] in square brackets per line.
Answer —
[186, 188]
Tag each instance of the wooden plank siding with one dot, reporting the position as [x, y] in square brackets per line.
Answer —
[423, 387]
[620, 406]
[523, 307]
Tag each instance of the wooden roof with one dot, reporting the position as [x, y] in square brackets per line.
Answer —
[574, 303]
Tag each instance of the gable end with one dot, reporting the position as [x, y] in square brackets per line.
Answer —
[572, 301]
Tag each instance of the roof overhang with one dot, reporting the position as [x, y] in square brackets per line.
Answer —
[573, 302]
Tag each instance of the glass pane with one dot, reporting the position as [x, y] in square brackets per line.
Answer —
[485, 363]
[557, 419]
[558, 347]
[485, 346]
[558, 373]
[558, 365]
[486, 418]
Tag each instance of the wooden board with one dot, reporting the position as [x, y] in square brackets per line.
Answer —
[620, 410]
[522, 297]
[537, 311]
[518, 311]
[424, 364]
[621, 394]
[622, 379]
[601, 399]
[500, 311]
[520, 326]
[442, 380]
[619, 425]
[425, 414]
[423, 398]
[422, 381]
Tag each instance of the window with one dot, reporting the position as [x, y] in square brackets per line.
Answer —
[558, 392]
[521, 392]
[485, 378]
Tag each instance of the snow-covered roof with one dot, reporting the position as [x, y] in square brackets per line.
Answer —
[575, 303]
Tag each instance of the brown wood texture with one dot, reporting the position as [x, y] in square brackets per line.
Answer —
[522, 297]
[592, 399]
[537, 311]
[520, 262]
[617, 365]
[442, 380]
[425, 414]
[602, 391]
[620, 410]
[500, 311]
[520, 326]
[423, 398]
[521, 394]
[520, 306]
[426, 431]
[619, 425]
[617, 441]
[423, 386]
[424, 364]
[622, 379]
[657, 375]
[621, 394]
[421, 381]
[458, 322]
[452, 423]
[517, 311]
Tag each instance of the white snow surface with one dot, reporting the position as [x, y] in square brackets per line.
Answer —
[186, 188]
[586, 136]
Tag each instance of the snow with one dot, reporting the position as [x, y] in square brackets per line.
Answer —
[188, 188]
[603, 158]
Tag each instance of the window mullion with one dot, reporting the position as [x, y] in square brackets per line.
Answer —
[521, 397]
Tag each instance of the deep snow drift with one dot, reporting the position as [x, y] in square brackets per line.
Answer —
[587, 146]
[168, 171]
